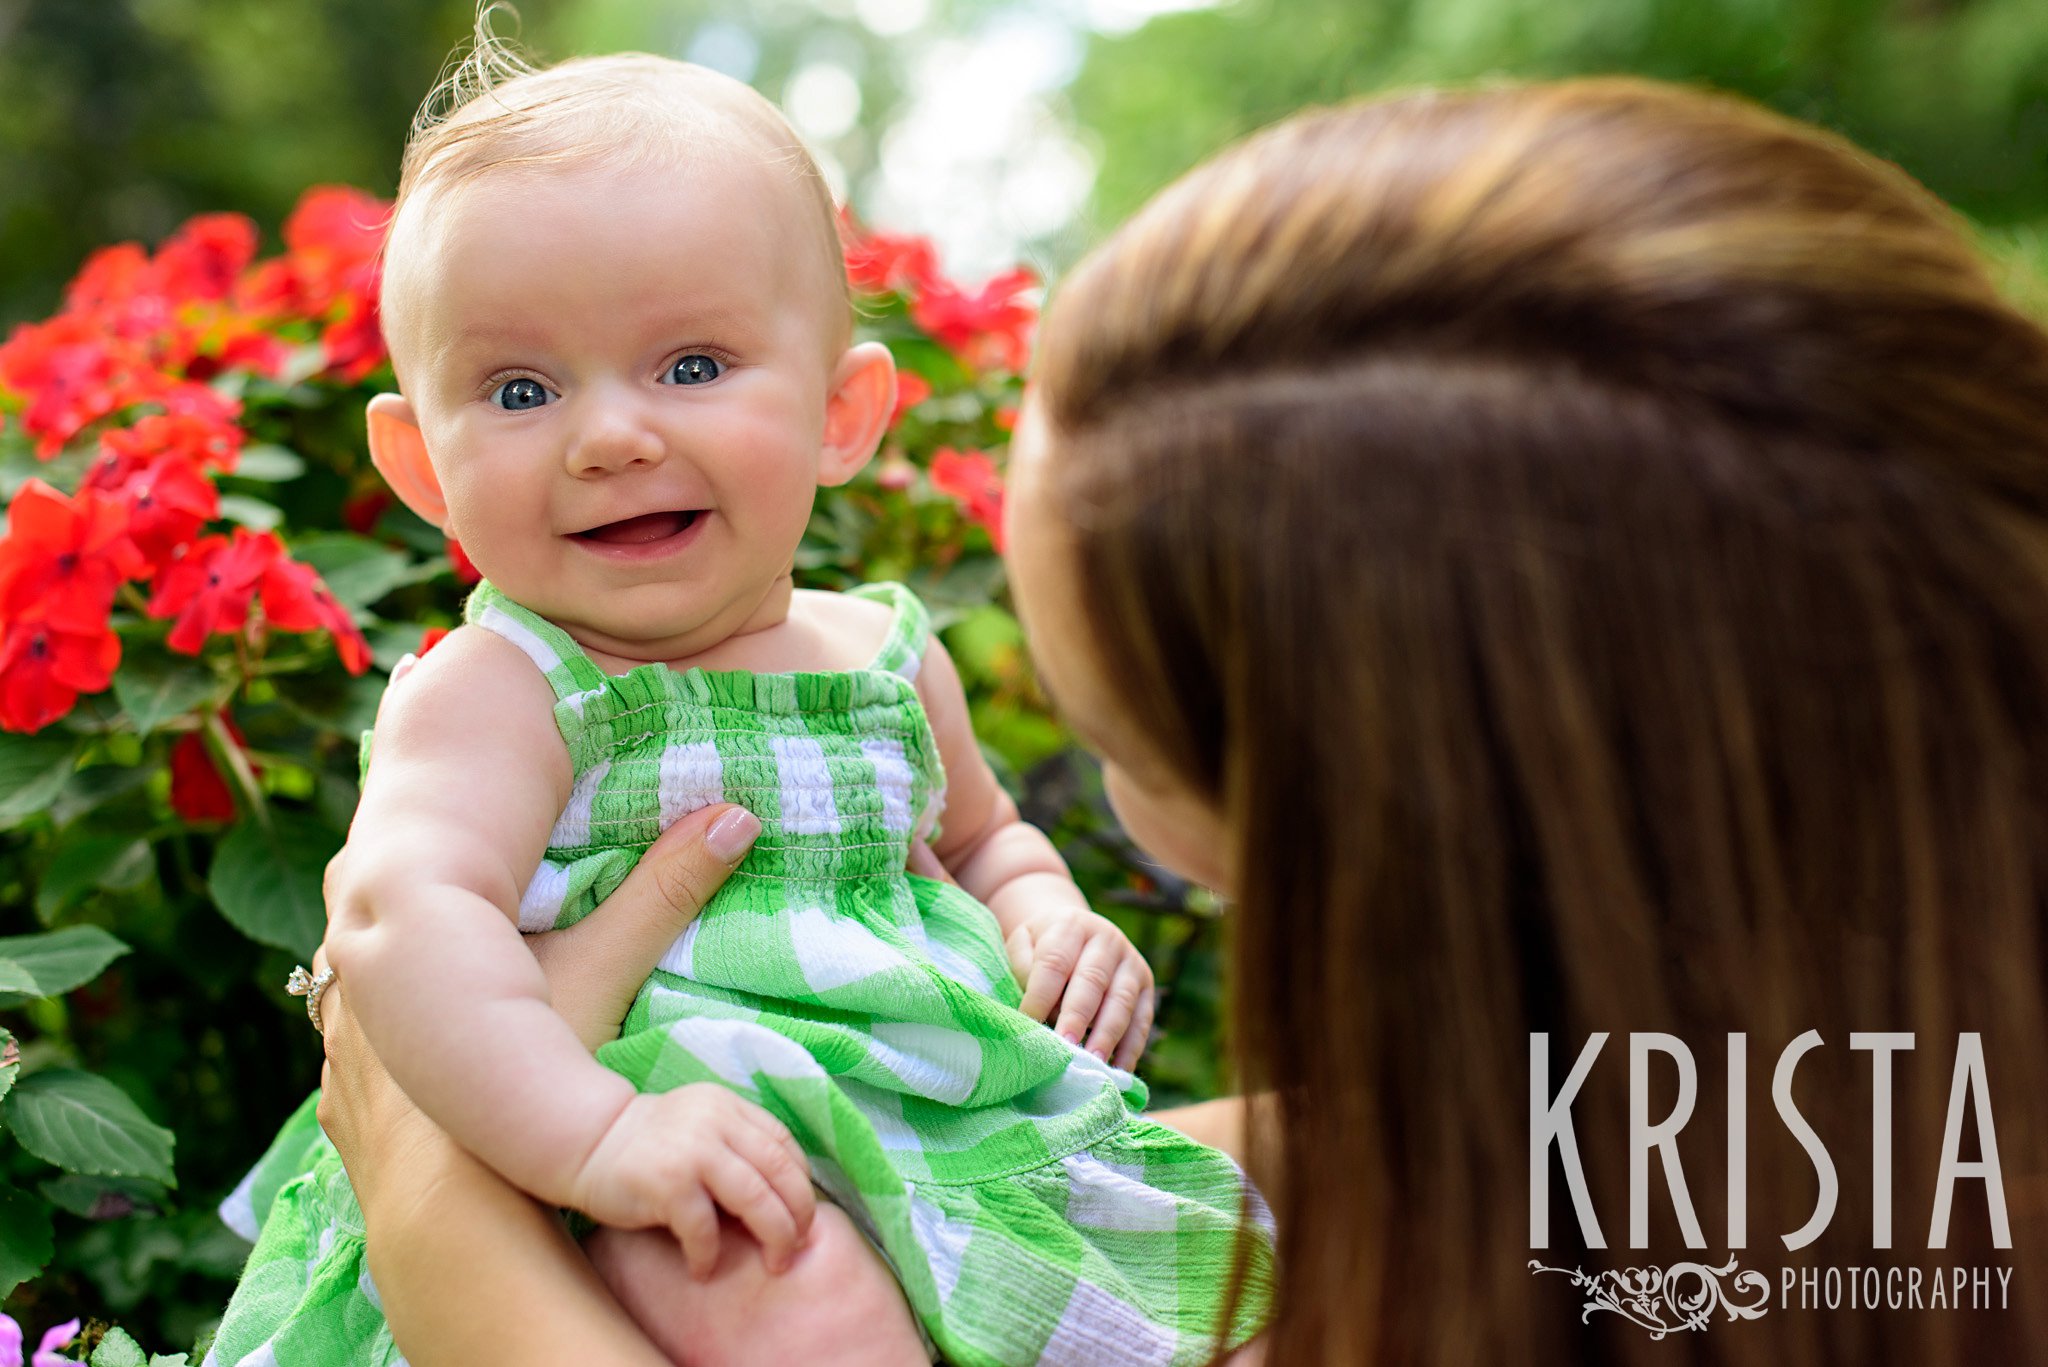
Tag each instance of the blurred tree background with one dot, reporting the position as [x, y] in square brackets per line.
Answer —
[1007, 128]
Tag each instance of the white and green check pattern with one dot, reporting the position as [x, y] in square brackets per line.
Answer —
[1029, 1214]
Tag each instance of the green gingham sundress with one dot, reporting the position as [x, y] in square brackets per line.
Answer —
[1029, 1214]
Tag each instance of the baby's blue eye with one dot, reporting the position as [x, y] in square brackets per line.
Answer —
[520, 394]
[695, 369]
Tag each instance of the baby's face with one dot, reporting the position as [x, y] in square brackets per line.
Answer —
[621, 377]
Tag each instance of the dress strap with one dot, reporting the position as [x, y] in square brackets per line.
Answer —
[909, 633]
[569, 671]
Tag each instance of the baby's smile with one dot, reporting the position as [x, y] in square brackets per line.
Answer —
[646, 536]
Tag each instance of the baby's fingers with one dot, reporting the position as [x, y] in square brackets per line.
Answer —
[1052, 963]
[766, 1142]
[1090, 982]
[1119, 1005]
[1140, 1033]
[693, 1219]
[747, 1195]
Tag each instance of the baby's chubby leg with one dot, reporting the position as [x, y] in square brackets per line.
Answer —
[836, 1304]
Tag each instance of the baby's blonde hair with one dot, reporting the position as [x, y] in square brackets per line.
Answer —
[494, 110]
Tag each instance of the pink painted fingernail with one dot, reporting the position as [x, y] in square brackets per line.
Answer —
[732, 835]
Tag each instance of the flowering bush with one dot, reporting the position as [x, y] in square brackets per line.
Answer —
[202, 585]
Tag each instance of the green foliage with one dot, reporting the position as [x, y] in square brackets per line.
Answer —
[266, 879]
[77, 1122]
[124, 117]
[117, 1349]
[1956, 91]
[85, 1124]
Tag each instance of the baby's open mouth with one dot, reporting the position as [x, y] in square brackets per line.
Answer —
[642, 530]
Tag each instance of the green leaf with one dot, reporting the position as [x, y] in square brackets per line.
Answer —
[106, 861]
[269, 464]
[25, 1240]
[102, 1198]
[17, 982]
[117, 1349]
[250, 512]
[84, 1123]
[358, 571]
[60, 960]
[335, 702]
[267, 883]
[91, 788]
[154, 686]
[32, 772]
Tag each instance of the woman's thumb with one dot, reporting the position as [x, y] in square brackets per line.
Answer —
[693, 858]
[596, 965]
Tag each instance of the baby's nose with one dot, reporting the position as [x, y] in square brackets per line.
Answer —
[613, 438]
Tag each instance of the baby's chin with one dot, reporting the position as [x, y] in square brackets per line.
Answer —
[656, 637]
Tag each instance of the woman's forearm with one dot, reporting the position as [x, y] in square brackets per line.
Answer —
[470, 1269]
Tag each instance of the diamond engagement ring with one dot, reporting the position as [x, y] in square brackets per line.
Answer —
[304, 984]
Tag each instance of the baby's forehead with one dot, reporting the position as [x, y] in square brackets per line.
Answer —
[555, 209]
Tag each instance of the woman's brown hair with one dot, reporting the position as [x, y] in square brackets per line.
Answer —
[1591, 543]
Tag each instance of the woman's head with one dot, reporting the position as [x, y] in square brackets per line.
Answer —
[1586, 549]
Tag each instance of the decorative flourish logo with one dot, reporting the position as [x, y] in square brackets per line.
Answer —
[1665, 1300]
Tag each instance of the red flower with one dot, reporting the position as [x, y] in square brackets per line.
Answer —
[912, 389]
[63, 558]
[1005, 417]
[201, 439]
[203, 259]
[354, 343]
[199, 791]
[207, 338]
[210, 587]
[430, 638]
[337, 226]
[973, 481]
[110, 276]
[296, 599]
[167, 498]
[331, 241]
[75, 370]
[44, 669]
[271, 289]
[465, 568]
[991, 327]
[359, 512]
[70, 371]
[879, 263]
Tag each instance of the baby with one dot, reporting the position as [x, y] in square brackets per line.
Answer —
[617, 309]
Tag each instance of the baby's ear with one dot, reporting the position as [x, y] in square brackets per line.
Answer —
[400, 454]
[862, 400]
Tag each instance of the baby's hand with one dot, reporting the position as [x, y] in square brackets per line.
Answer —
[674, 1159]
[1078, 960]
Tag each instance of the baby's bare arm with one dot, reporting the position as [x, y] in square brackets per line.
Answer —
[469, 777]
